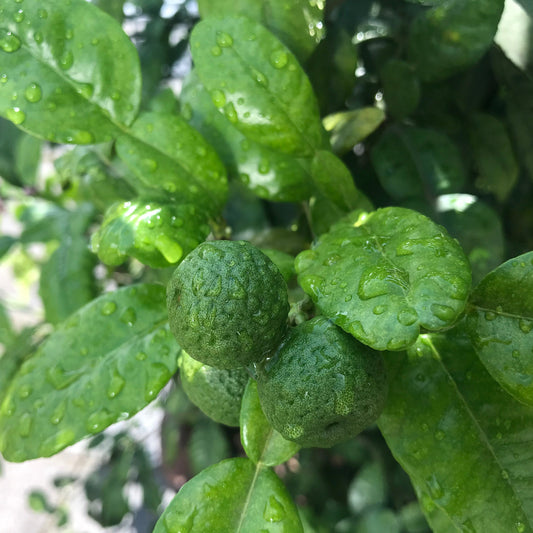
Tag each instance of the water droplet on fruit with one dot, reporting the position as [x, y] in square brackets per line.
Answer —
[109, 308]
[279, 59]
[16, 115]
[33, 93]
[9, 42]
[224, 39]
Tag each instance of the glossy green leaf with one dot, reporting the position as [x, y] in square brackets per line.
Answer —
[413, 161]
[297, 23]
[401, 88]
[493, 155]
[267, 97]
[261, 442]
[500, 322]
[334, 180]
[478, 229]
[106, 362]
[157, 234]
[27, 159]
[165, 153]
[349, 128]
[67, 282]
[452, 36]
[381, 276]
[67, 81]
[268, 174]
[234, 495]
[462, 440]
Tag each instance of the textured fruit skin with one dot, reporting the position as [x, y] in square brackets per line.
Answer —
[322, 386]
[216, 392]
[227, 304]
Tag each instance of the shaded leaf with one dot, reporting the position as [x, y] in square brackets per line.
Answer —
[351, 127]
[85, 79]
[27, 158]
[493, 155]
[207, 445]
[500, 323]
[401, 88]
[105, 363]
[261, 442]
[234, 495]
[452, 36]
[368, 488]
[465, 444]
[166, 154]
[382, 276]
[298, 24]
[268, 96]
[413, 161]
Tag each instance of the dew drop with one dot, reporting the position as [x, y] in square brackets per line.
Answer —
[16, 115]
[261, 78]
[231, 114]
[99, 420]
[85, 89]
[33, 93]
[69, 34]
[57, 442]
[434, 487]
[216, 51]
[19, 16]
[109, 308]
[116, 385]
[141, 356]
[66, 61]
[274, 510]
[59, 378]
[440, 435]
[3, 78]
[407, 317]
[24, 424]
[505, 474]
[379, 309]
[158, 376]
[443, 312]
[279, 59]
[525, 325]
[490, 316]
[9, 42]
[129, 316]
[264, 166]
[38, 37]
[59, 413]
[42, 13]
[25, 391]
[520, 527]
[218, 98]
[224, 40]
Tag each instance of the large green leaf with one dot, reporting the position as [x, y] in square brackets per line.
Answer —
[165, 153]
[297, 23]
[384, 275]
[268, 174]
[413, 161]
[452, 36]
[105, 363]
[158, 234]
[462, 440]
[69, 72]
[67, 281]
[257, 83]
[500, 322]
[493, 155]
[261, 442]
[401, 88]
[234, 495]
[27, 159]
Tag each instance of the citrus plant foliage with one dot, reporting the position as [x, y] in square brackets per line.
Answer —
[331, 229]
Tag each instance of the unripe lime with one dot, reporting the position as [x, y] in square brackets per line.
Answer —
[322, 386]
[227, 304]
[216, 392]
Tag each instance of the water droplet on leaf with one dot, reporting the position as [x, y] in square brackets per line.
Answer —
[25, 423]
[33, 93]
[109, 308]
[224, 40]
[279, 59]
[9, 42]
[16, 115]
[116, 385]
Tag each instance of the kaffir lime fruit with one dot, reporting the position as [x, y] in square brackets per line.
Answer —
[216, 392]
[322, 386]
[227, 304]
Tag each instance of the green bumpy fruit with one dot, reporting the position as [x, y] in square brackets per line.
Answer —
[227, 304]
[216, 392]
[322, 386]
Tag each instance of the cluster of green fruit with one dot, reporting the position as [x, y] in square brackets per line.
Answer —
[228, 309]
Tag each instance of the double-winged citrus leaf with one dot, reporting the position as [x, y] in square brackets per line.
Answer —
[385, 275]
